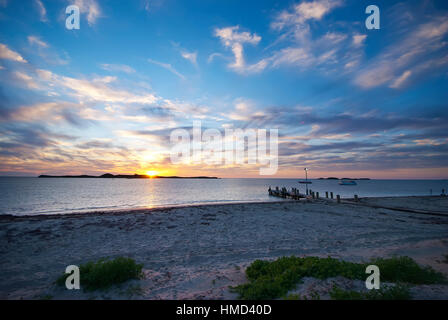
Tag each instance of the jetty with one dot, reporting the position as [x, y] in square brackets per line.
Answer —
[293, 193]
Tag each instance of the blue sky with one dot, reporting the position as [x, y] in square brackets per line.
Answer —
[346, 100]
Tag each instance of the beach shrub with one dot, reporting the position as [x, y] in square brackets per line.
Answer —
[104, 273]
[273, 279]
[391, 292]
[405, 269]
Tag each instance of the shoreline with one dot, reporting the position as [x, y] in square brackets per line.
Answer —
[144, 210]
[138, 210]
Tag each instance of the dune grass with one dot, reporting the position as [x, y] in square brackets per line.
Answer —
[273, 279]
[105, 273]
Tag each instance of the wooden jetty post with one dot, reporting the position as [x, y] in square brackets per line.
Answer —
[326, 194]
[356, 198]
[339, 198]
[317, 195]
[331, 195]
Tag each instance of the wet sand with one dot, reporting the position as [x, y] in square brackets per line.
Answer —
[196, 252]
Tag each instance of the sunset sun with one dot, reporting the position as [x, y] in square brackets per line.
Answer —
[151, 173]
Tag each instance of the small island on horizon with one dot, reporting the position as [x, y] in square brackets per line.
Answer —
[334, 178]
[125, 176]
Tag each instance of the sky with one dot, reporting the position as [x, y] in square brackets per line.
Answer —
[346, 100]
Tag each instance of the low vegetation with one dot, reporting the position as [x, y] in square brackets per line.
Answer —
[104, 273]
[273, 279]
[406, 270]
[391, 292]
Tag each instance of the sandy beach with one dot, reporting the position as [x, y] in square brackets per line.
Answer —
[196, 252]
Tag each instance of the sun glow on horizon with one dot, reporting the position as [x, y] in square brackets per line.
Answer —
[152, 173]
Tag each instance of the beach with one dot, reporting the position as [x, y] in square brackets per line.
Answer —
[197, 252]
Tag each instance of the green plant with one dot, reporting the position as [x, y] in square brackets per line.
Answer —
[293, 297]
[104, 273]
[404, 269]
[391, 292]
[269, 280]
[273, 279]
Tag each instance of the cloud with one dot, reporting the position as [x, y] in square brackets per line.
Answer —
[140, 107]
[397, 83]
[368, 142]
[358, 39]
[230, 35]
[42, 10]
[8, 54]
[315, 9]
[233, 39]
[47, 54]
[300, 119]
[117, 67]
[214, 55]
[421, 51]
[327, 51]
[19, 136]
[168, 67]
[302, 12]
[190, 56]
[100, 90]
[25, 79]
[244, 110]
[52, 112]
[90, 7]
[37, 41]
[96, 144]
[292, 56]
[147, 5]
[97, 89]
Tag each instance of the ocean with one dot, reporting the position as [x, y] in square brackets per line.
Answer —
[36, 196]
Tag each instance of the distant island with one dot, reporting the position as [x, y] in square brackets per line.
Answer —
[334, 178]
[126, 176]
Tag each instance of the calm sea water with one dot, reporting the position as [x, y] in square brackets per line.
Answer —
[32, 196]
